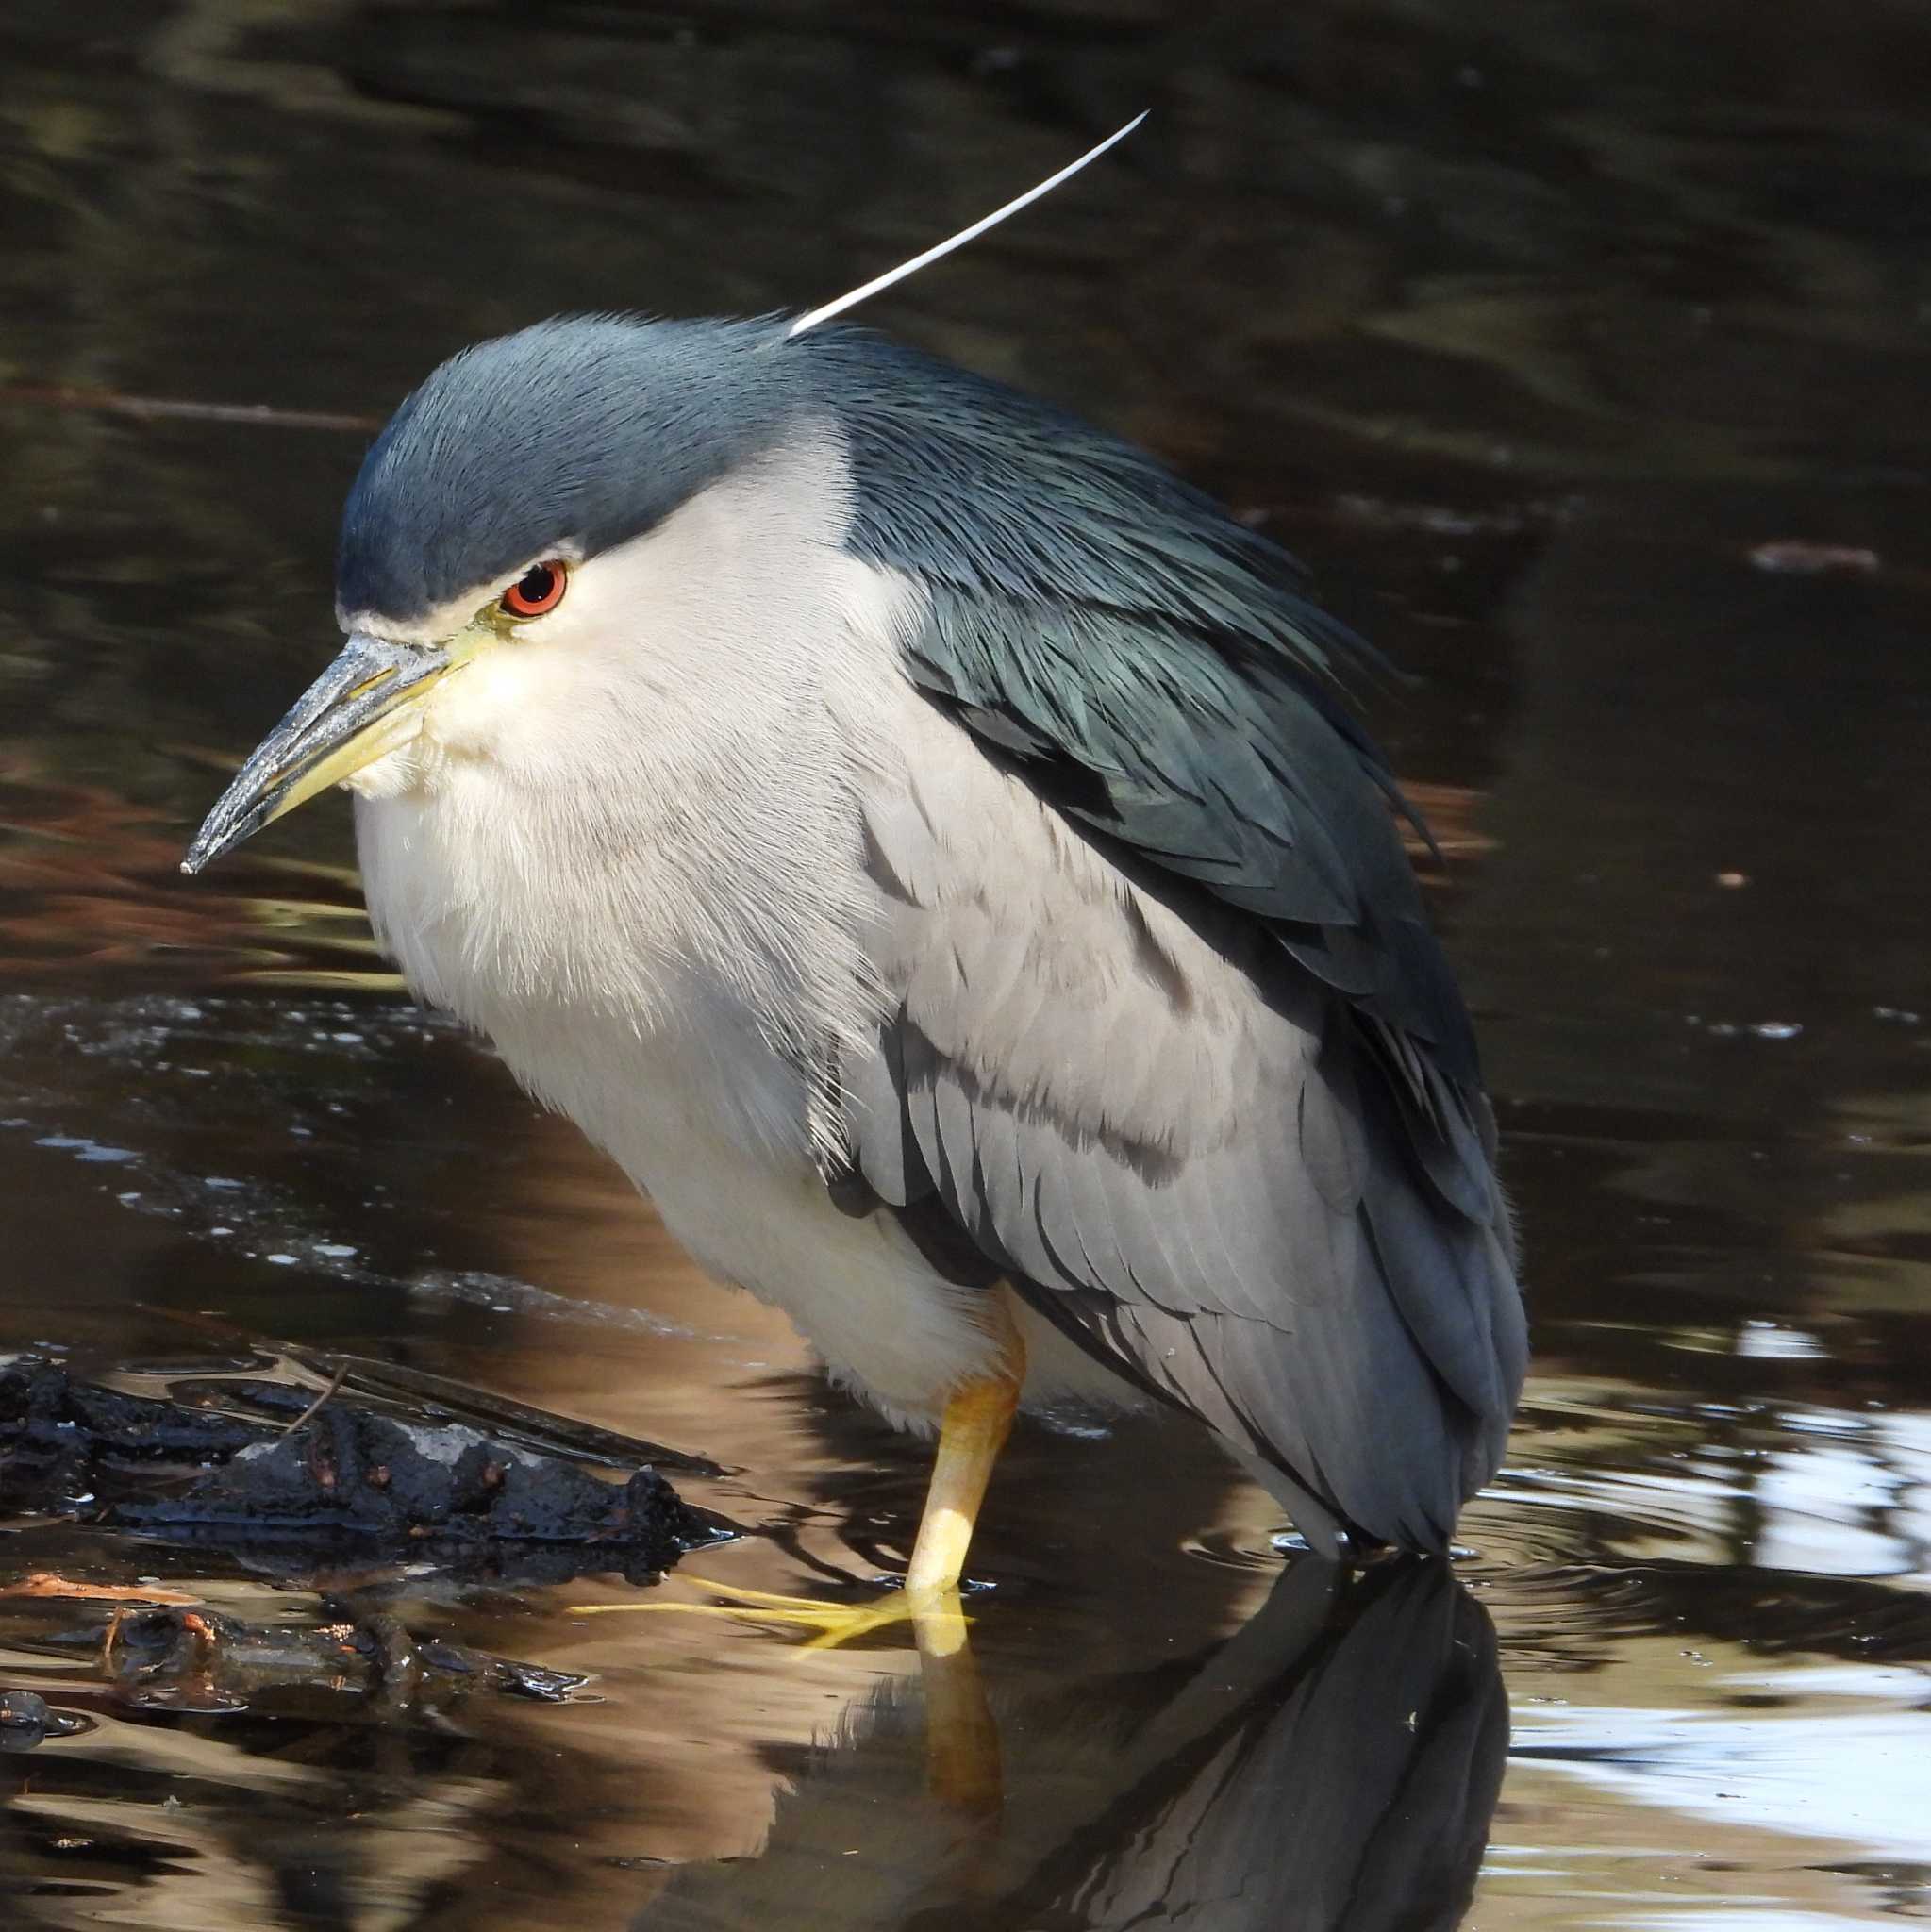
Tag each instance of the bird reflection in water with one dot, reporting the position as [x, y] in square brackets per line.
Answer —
[1333, 1764]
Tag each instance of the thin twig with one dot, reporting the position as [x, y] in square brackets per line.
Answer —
[314, 1409]
[68, 396]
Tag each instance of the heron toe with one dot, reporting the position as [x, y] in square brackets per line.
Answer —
[936, 1613]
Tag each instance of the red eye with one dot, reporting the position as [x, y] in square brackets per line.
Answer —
[537, 590]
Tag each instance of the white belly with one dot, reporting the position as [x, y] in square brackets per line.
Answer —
[668, 1073]
[885, 1325]
[696, 1105]
[756, 1215]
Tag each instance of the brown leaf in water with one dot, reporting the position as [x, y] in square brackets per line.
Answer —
[45, 1583]
[1450, 811]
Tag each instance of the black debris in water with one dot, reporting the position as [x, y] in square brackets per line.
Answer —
[349, 1473]
[27, 1720]
[62, 1437]
[440, 1492]
[188, 1660]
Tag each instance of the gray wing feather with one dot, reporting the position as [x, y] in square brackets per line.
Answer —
[1153, 666]
[1181, 1148]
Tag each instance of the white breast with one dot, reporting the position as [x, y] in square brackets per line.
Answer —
[695, 1104]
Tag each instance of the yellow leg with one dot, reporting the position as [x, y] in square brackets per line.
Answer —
[977, 1420]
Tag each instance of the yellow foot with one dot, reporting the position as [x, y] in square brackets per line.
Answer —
[979, 1415]
[938, 1620]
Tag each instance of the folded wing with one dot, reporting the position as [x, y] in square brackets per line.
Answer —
[1180, 1145]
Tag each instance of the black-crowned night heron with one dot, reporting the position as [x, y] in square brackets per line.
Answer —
[916, 835]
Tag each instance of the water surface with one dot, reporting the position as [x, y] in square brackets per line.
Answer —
[1583, 352]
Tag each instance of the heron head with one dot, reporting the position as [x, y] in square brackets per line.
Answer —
[491, 547]
[503, 582]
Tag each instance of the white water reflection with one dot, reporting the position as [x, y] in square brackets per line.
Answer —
[1844, 1758]
[1854, 1504]
[1806, 1488]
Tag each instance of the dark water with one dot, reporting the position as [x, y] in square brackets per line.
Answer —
[1531, 325]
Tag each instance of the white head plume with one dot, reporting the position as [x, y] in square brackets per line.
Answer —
[878, 283]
